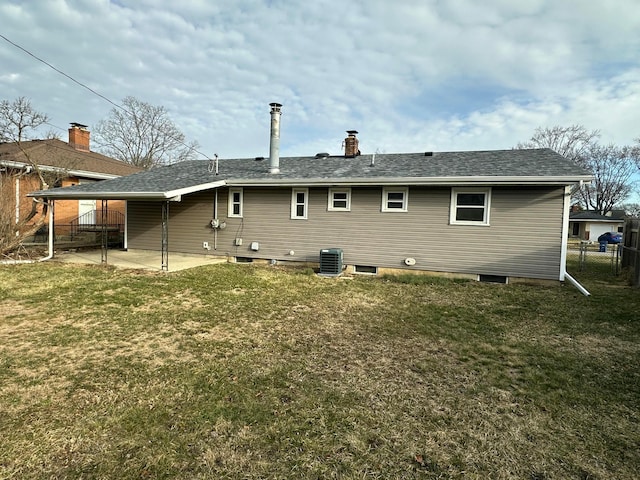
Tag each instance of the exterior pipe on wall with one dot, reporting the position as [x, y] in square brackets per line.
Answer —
[215, 216]
[274, 144]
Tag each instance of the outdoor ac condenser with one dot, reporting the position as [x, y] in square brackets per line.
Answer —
[331, 261]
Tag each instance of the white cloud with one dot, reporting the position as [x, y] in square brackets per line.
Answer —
[409, 75]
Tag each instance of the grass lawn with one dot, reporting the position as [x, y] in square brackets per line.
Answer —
[241, 371]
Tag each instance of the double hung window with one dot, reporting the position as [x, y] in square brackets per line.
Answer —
[339, 200]
[470, 206]
[235, 202]
[395, 199]
[299, 203]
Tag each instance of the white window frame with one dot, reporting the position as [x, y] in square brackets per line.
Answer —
[295, 204]
[332, 206]
[385, 198]
[486, 191]
[230, 212]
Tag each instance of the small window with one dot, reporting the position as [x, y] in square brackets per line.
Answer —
[470, 206]
[394, 199]
[339, 200]
[235, 202]
[299, 203]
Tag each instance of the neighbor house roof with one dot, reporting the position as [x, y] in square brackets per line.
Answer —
[54, 154]
[589, 216]
[497, 167]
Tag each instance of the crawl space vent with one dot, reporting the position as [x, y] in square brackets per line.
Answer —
[492, 278]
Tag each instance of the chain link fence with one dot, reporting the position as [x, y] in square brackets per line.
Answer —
[604, 259]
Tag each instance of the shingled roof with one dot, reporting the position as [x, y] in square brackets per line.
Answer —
[590, 216]
[492, 167]
[54, 153]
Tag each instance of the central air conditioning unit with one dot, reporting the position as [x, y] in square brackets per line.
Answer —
[331, 262]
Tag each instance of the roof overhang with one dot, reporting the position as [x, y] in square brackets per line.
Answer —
[69, 172]
[70, 193]
[175, 195]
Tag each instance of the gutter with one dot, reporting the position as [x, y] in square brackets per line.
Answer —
[448, 181]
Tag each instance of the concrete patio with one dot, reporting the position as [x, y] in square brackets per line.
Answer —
[137, 259]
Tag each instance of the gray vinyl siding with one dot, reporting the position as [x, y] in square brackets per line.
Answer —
[523, 239]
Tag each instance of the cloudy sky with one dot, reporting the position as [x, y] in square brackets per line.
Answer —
[409, 75]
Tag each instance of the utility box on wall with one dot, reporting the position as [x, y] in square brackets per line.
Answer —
[331, 261]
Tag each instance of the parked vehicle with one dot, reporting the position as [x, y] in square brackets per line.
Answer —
[610, 237]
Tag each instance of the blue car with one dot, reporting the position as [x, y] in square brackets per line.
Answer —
[610, 237]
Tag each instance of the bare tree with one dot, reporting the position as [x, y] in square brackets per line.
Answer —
[613, 168]
[631, 209]
[18, 121]
[572, 142]
[142, 135]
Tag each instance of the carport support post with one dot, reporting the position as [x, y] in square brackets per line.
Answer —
[165, 236]
[105, 234]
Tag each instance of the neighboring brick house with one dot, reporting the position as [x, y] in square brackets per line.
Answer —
[63, 164]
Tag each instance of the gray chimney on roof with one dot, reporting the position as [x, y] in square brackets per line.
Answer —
[274, 145]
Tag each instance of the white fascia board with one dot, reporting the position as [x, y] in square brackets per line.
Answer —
[98, 195]
[458, 181]
[194, 189]
[172, 195]
[85, 174]
[70, 172]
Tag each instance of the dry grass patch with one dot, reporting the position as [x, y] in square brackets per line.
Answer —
[255, 372]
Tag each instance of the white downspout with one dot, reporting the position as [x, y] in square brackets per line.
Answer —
[125, 243]
[565, 238]
[51, 234]
[575, 283]
[17, 200]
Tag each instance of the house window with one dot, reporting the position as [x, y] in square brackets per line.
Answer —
[395, 199]
[235, 202]
[339, 200]
[470, 206]
[299, 203]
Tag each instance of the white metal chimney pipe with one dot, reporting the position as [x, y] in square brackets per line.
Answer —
[274, 145]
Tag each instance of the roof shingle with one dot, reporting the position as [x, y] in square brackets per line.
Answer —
[541, 166]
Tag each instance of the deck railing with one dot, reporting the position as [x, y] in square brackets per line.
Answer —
[95, 221]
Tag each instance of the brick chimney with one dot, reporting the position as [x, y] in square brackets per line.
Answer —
[351, 144]
[79, 137]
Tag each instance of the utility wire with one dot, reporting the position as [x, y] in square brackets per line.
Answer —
[90, 89]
